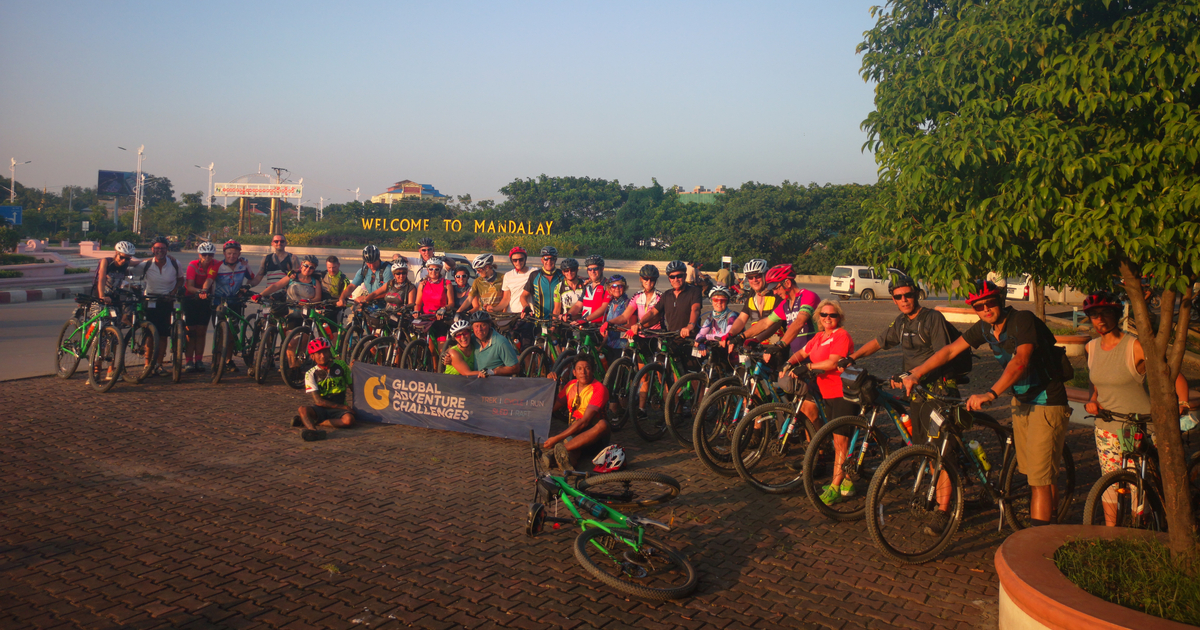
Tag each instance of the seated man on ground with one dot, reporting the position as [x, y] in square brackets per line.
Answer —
[586, 402]
[329, 382]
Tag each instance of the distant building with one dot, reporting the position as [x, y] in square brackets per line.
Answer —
[408, 189]
[699, 194]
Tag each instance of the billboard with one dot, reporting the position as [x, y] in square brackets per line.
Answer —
[118, 183]
[279, 191]
[10, 215]
[411, 189]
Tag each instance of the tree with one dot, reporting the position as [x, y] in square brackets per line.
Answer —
[1057, 137]
[156, 189]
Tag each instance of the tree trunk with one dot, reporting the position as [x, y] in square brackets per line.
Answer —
[1039, 300]
[1161, 372]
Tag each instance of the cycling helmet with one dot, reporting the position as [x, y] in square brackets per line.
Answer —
[317, 345]
[569, 263]
[481, 317]
[434, 261]
[204, 248]
[718, 290]
[779, 273]
[985, 289]
[617, 279]
[482, 261]
[611, 459]
[160, 240]
[517, 250]
[370, 254]
[649, 272]
[310, 259]
[898, 281]
[425, 242]
[231, 244]
[550, 250]
[593, 260]
[675, 266]
[400, 265]
[756, 265]
[1102, 299]
[127, 248]
[459, 326]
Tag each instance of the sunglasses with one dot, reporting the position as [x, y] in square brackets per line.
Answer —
[549, 257]
[596, 269]
[426, 249]
[460, 277]
[677, 276]
[907, 295]
[307, 267]
[830, 316]
[979, 306]
[519, 259]
[755, 276]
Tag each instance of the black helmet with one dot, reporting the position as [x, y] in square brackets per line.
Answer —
[481, 317]
[594, 260]
[370, 254]
[649, 272]
[160, 240]
[550, 250]
[425, 242]
[676, 266]
[898, 281]
[569, 263]
[312, 260]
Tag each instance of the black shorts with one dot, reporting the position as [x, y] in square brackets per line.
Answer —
[160, 318]
[837, 407]
[326, 413]
[197, 312]
[589, 452]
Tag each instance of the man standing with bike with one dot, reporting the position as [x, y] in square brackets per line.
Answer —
[796, 309]
[760, 302]
[278, 263]
[164, 277]
[1033, 368]
[371, 276]
[329, 382]
[586, 402]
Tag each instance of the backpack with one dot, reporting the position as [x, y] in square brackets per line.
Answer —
[959, 366]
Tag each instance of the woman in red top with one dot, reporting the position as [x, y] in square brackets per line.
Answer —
[824, 350]
[197, 305]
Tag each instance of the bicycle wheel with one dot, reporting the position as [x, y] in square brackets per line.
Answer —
[534, 363]
[250, 335]
[140, 344]
[567, 358]
[901, 502]
[616, 381]
[1116, 497]
[649, 570]
[107, 359]
[866, 451]
[630, 488]
[649, 421]
[380, 351]
[721, 383]
[294, 361]
[766, 460]
[350, 338]
[359, 344]
[1017, 493]
[683, 399]
[264, 355]
[70, 344]
[416, 356]
[712, 430]
[178, 344]
[222, 340]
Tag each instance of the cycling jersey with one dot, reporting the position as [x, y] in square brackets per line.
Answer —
[644, 302]
[298, 289]
[229, 278]
[567, 296]
[515, 283]
[616, 308]
[114, 275]
[580, 397]
[786, 311]
[488, 291]
[467, 356]
[330, 382]
[759, 307]
[716, 325]
[542, 288]
[401, 291]
[333, 285]
[675, 309]
[595, 296]
[198, 273]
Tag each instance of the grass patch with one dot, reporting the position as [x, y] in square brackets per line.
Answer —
[1063, 331]
[8, 273]
[1136, 573]
[1080, 379]
[16, 259]
[78, 270]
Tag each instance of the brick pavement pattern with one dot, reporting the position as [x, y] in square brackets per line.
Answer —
[189, 506]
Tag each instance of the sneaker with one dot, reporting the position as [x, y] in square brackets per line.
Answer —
[547, 462]
[230, 367]
[200, 367]
[296, 422]
[309, 435]
[190, 368]
[848, 488]
[830, 496]
[937, 523]
[561, 457]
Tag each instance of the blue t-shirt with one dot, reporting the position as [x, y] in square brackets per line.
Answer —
[499, 353]
[371, 280]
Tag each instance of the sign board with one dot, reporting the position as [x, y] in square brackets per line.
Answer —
[727, 259]
[278, 191]
[116, 183]
[87, 225]
[411, 189]
[11, 214]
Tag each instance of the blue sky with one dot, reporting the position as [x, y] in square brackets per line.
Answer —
[466, 96]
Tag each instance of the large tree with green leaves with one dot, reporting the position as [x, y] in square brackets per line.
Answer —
[1056, 137]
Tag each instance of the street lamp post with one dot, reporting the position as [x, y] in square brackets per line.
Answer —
[299, 207]
[321, 209]
[137, 193]
[355, 191]
[12, 181]
[211, 199]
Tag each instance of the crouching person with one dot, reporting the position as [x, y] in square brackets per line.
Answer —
[586, 402]
[329, 382]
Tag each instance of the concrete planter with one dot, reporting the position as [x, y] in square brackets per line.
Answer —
[958, 315]
[1034, 594]
[1073, 343]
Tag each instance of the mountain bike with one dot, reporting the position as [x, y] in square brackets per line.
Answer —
[613, 547]
[904, 492]
[388, 333]
[617, 378]
[768, 444]
[685, 395]
[294, 360]
[423, 351]
[270, 330]
[113, 346]
[141, 339]
[539, 358]
[177, 335]
[585, 338]
[233, 334]
[77, 334]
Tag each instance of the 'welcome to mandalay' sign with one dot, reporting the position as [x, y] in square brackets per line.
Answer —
[455, 225]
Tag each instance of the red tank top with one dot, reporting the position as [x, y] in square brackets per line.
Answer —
[433, 296]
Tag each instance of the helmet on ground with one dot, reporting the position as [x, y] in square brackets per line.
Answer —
[898, 281]
[434, 261]
[400, 265]
[779, 273]
[718, 290]
[594, 260]
[612, 458]
[127, 248]
[317, 345]
[231, 244]
[204, 248]
[649, 272]
[1102, 299]
[550, 250]
[756, 265]
[675, 266]
[482, 261]
[310, 259]
[569, 263]
[370, 254]
[481, 317]
[617, 279]
[425, 242]
[985, 289]
[458, 326]
[517, 250]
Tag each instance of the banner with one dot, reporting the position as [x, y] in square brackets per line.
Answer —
[279, 191]
[499, 406]
[117, 183]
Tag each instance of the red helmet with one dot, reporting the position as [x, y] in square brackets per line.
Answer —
[317, 345]
[232, 243]
[1101, 299]
[517, 250]
[779, 273]
[985, 290]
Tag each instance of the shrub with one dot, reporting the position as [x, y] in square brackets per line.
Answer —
[17, 259]
[78, 270]
[533, 244]
[8, 239]
[8, 273]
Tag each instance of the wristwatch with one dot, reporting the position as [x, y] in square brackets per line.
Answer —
[490, 372]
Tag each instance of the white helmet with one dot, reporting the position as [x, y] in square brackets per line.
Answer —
[207, 248]
[434, 262]
[459, 326]
[611, 459]
[482, 261]
[756, 265]
[125, 247]
[400, 265]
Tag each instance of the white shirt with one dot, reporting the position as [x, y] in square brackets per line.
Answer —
[161, 280]
[514, 283]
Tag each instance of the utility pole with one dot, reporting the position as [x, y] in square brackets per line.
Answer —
[12, 181]
[212, 200]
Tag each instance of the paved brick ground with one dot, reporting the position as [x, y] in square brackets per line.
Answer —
[188, 506]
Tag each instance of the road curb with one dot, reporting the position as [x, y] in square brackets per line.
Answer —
[40, 295]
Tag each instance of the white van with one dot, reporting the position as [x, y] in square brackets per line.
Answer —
[856, 280]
